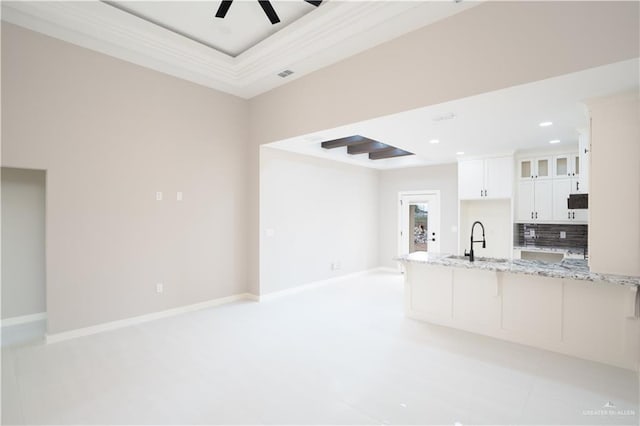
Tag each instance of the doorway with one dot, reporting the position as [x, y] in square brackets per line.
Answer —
[419, 222]
[23, 255]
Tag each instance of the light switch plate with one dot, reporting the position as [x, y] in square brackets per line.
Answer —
[179, 196]
[270, 232]
[158, 196]
[159, 288]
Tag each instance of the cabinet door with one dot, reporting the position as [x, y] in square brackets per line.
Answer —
[562, 166]
[470, 179]
[524, 209]
[543, 169]
[543, 200]
[525, 169]
[561, 191]
[583, 154]
[580, 215]
[498, 177]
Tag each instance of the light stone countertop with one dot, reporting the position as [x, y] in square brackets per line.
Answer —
[576, 269]
[564, 250]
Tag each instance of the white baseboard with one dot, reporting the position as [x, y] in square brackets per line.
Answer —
[7, 322]
[389, 269]
[313, 284]
[113, 325]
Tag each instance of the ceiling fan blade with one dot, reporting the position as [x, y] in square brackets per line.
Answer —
[268, 10]
[224, 7]
[316, 3]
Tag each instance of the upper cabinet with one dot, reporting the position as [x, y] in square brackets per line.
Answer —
[535, 168]
[545, 183]
[488, 178]
[584, 151]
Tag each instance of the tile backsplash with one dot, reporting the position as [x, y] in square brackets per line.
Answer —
[548, 235]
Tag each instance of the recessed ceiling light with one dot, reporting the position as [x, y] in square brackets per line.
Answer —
[555, 141]
[434, 141]
[546, 124]
[460, 153]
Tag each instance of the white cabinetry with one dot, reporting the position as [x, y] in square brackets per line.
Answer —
[561, 212]
[591, 320]
[584, 149]
[535, 200]
[544, 185]
[489, 178]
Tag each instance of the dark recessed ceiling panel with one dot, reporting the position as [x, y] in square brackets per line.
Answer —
[361, 145]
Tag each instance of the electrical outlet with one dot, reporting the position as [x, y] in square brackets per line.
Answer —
[178, 196]
[563, 234]
[159, 288]
[158, 196]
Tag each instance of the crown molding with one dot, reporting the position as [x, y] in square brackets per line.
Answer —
[318, 39]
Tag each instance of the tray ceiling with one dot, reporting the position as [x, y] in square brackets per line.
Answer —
[244, 25]
[241, 54]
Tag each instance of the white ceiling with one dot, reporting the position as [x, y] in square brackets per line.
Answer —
[327, 34]
[244, 25]
[504, 121]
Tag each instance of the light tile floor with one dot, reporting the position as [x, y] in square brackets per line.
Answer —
[339, 354]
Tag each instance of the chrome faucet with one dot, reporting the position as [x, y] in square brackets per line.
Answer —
[483, 241]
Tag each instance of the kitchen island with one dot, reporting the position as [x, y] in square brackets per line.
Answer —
[562, 307]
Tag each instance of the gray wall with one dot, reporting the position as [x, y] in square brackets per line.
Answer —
[110, 134]
[321, 211]
[443, 178]
[23, 242]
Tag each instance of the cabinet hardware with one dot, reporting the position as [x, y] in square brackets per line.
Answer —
[574, 215]
[481, 192]
[536, 215]
[568, 215]
[577, 186]
[531, 215]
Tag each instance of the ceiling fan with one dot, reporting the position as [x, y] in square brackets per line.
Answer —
[266, 6]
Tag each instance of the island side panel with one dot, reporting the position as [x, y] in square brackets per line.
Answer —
[429, 293]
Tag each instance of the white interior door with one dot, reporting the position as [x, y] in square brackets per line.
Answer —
[419, 222]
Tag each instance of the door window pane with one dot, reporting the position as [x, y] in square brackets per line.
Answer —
[419, 226]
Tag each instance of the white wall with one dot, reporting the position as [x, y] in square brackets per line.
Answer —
[110, 134]
[614, 188]
[321, 211]
[495, 215]
[441, 177]
[23, 242]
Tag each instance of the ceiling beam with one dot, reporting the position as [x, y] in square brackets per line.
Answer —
[348, 141]
[388, 153]
[367, 147]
